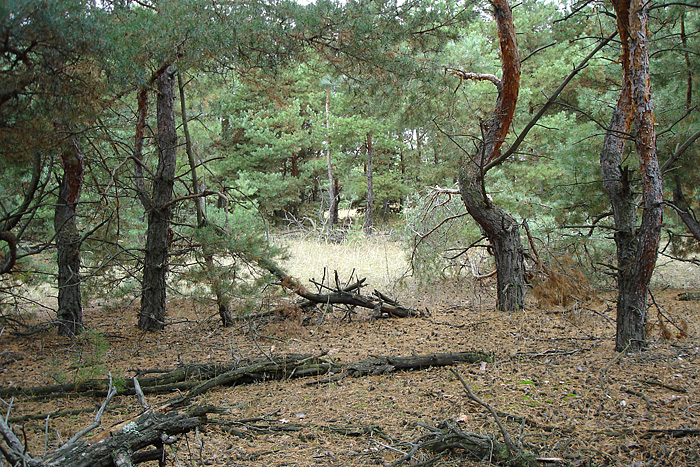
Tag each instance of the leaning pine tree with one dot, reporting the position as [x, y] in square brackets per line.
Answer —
[501, 229]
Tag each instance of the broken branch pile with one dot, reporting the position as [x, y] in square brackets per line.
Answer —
[122, 445]
[380, 303]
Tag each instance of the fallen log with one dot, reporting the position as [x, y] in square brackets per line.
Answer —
[379, 304]
[180, 378]
[670, 432]
[298, 366]
[200, 378]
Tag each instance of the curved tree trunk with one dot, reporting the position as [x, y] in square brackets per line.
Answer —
[70, 311]
[499, 227]
[504, 234]
[152, 313]
[680, 204]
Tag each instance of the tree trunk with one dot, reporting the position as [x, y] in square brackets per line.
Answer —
[222, 300]
[680, 204]
[70, 311]
[636, 247]
[370, 185]
[198, 201]
[632, 330]
[8, 261]
[688, 66]
[504, 234]
[499, 227]
[152, 313]
[332, 194]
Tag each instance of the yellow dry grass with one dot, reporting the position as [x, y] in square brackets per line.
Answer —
[381, 260]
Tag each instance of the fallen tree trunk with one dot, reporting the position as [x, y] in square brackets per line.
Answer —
[315, 365]
[181, 378]
[380, 304]
[200, 378]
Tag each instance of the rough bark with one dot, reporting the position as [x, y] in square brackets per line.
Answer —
[499, 227]
[70, 311]
[120, 445]
[632, 330]
[332, 185]
[141, 114]
[299, 366]
[637, 246]
[152, 313]
[206, 376]
[149, 429]
[8, 262]
[370, 185]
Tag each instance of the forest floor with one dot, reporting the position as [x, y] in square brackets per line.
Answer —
[554, 369]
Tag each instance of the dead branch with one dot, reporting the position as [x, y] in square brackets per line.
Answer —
[515, 452]
[448, 436]
[656, 382]
[200, 378]
[467, 75]
[121, 445]
[511, 448]
[671, 432]
[339, 297]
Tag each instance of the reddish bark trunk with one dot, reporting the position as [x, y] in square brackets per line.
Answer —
[637, 247]
[295, 165]
[499, 227]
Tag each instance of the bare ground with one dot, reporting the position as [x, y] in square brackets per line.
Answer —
[554, 368]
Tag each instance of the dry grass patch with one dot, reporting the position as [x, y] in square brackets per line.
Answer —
[382, 261]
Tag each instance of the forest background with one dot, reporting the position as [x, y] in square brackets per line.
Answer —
[153, 150]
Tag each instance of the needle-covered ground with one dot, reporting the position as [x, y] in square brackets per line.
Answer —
[571, 397]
